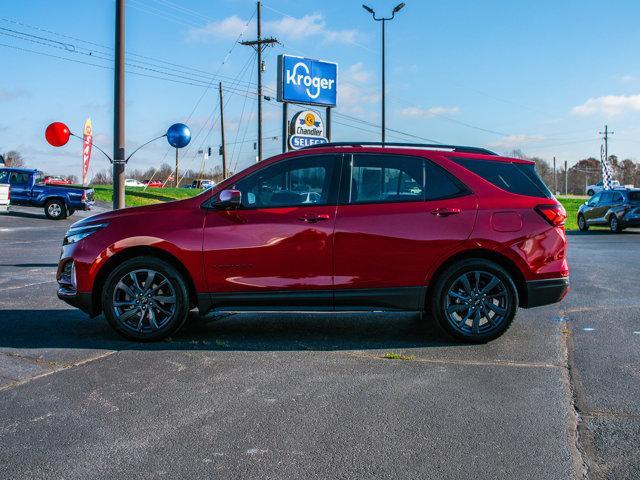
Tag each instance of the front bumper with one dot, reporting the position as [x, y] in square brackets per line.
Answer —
[80, 300]
[546, 292]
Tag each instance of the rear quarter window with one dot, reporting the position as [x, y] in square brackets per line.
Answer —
[519, 178]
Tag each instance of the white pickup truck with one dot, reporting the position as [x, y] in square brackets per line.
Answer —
[5, 197]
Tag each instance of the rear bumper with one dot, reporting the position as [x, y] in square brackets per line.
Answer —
[545, 292]
[86, 205]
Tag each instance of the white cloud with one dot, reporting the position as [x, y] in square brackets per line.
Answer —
[513, 141]
[356, 90]
[417, 112]
[313, 25]
[357, 73]
[609, 105]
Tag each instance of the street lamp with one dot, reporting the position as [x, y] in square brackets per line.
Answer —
[397, 8]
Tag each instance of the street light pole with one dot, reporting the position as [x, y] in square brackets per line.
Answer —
[384, 20]
[118, 111]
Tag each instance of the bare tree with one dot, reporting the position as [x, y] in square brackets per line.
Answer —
[103, 177]
[13, 158]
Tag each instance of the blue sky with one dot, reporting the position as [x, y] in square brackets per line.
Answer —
[540, 76]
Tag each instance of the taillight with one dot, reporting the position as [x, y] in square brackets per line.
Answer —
[84, 195]
[554, 214]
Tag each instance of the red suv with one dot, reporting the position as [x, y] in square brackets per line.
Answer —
[457, 231]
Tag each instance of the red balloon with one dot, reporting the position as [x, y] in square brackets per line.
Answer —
[57, 134]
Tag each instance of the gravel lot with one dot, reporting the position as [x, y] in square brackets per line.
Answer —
[311, 396]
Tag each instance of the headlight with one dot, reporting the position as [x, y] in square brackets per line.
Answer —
[75, 234]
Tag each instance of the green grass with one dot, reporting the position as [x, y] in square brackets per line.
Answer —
[398, 356]
[571, 205]
[137, 196]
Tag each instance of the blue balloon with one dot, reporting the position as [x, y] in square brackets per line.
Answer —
[178, 135]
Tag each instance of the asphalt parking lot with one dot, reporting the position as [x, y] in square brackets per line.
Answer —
[312, 396]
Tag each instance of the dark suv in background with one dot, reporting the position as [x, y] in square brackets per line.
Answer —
[617, 209]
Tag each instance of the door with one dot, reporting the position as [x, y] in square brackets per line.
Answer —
[590, 211]
[20, 188]
[276, 249]
[397, 216]
[602, 207]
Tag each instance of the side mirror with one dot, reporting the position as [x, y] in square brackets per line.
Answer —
[228, 199]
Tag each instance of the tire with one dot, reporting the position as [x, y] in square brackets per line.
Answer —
[582, 223]
[132, 307]
[614, 223]
[464, 313]
[55, 209]
[590, 192]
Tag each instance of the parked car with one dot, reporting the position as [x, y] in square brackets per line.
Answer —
[51, 180]
[28, 188]
[202, 183]
[617, 209]
[5, 197]
[132, 182]
[598, 187]
[480, 237]
[152, 183]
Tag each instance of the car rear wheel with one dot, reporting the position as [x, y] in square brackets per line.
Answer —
[145, 299]
[474, 300]
[614, 223]
[582, 223]
[55, 209]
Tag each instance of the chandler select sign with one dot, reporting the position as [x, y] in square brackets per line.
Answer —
[306, 129]
[307, 81]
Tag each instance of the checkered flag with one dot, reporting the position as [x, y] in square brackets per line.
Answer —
[606, 170]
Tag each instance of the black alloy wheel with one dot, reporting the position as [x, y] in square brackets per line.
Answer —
[475, 300]
[145, 299]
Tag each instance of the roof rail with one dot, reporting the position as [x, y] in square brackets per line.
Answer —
[455, 148]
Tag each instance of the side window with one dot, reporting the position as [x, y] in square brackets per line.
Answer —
[385, 178]
[440, 184]
[18, 178]
[4, 176]
[617, 198]
[606, 198]
[295, 182]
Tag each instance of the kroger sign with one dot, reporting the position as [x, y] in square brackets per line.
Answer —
[307, 81]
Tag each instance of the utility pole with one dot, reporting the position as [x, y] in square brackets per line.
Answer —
[177, 167]
[566, 179]
[605, 136]
[118, 111]
[555, 182]
[223, 149]
[259, 45]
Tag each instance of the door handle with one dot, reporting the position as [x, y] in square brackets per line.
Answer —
[445, 212]
[314, 218]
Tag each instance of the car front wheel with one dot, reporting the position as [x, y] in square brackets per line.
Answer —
[474, 300]
[582, 223]
[614, 223]
[145, 299]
